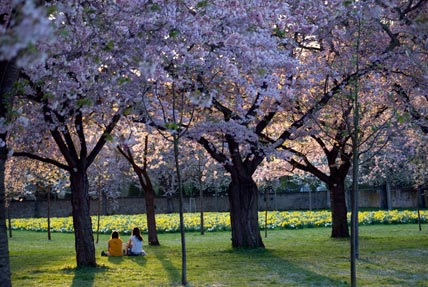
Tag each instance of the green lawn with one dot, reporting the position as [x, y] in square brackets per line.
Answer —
[390, 255]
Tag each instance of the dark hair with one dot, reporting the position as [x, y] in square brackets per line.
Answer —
[115, 234]
[136, 232]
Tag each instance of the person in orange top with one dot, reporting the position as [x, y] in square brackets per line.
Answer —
[114, 245]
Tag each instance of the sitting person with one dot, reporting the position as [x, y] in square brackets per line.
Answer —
[135, 243]
[114, 245]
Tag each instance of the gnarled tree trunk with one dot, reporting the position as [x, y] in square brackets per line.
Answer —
[243, 200]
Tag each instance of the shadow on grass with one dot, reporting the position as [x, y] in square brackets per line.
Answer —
[84, 276]
[141, 260]
[115, 260]
[278, 271]
[163, 254]
[404, 267]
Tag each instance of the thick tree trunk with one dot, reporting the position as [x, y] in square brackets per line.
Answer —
[84, 239]
[8, 76]
[243, 199]
[338, 210]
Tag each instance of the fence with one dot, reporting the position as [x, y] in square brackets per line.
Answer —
[400, 198]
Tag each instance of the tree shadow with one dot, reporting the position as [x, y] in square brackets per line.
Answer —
[405, 267]
[278, 270]
[85, 276]
[115, 259]
[163, 255]
[141, 260]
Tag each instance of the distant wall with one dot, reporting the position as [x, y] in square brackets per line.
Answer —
[279, 201]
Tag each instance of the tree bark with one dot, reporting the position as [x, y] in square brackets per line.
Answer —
[4, 247]
[243, 200]
[8, 75]
[338, 209]
[149, 195]
[84, 239]
[243, 193]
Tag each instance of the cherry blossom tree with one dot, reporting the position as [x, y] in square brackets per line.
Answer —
[252, 112]
[327, 153]
[410, 82]
[78, 87]
[379, 41]
[173, 126]
[141, 167]
[233, 35]
[200, 172]
[410, 79]
[322, 47]
[247, 69]
[22, 25]
[400, 163]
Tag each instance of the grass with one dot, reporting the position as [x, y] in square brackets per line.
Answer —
[390, 255]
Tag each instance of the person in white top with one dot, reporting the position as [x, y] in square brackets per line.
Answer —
[135, 243]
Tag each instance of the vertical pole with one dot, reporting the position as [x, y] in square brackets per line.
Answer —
[49, 213]
[266, 209]
[201, 203]
[180, 189]
[418, 203]
[9, 221]
[99, 208]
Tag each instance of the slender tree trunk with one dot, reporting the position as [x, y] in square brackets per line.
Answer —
[49, 214]
[388, 193]
[84, 239]
[201, 208]
[243, 200]
[147, 186]
[9, 221]
[338, 209]
[149, 195]
[98, 208]
[182, 232]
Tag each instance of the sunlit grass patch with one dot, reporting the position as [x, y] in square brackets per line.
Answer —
[390, 255]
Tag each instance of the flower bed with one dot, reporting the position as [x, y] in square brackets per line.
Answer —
[219, 221]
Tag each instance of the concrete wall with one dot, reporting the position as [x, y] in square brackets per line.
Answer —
[279, 201]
